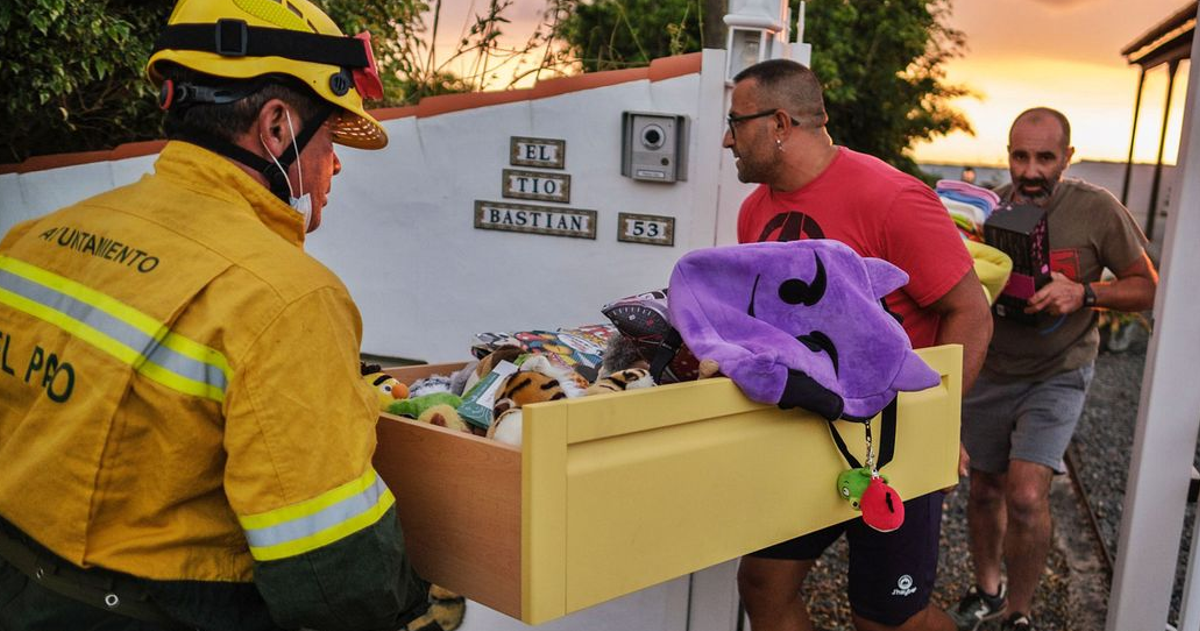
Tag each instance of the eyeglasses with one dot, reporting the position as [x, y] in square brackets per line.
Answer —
[732, 120]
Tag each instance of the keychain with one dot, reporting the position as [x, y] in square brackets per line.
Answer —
[867, 490]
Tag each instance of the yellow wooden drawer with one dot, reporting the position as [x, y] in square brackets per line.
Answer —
[613, 493]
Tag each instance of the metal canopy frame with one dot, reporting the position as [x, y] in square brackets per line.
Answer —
[1169, 42]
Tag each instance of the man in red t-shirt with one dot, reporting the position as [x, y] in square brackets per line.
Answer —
[812, 189]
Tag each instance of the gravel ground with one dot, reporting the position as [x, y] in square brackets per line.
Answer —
[830, 607]
[1103, 444]
[1102, 454]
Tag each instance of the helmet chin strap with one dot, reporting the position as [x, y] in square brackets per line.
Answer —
[272, 171]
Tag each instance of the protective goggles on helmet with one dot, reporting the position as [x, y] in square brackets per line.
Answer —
[235, 38]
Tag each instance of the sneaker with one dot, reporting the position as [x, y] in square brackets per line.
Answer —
[977, 607]
[1017, 622]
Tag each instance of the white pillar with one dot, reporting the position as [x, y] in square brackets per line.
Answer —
[1169, 414]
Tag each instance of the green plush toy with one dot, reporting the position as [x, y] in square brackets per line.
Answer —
[416, 406]
[852, 483]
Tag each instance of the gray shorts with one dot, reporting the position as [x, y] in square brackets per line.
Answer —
[1025, 420]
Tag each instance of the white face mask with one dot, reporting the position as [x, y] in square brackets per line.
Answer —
[302, 204]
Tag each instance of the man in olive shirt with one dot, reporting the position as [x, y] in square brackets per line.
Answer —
[1019, 417]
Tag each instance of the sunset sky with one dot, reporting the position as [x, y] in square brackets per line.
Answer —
[1021, 53]
[1064, 54]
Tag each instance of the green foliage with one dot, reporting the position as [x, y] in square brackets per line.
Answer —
[396, 31]
[608, 34]
[73, 74]
[74, 71]
[881, 61]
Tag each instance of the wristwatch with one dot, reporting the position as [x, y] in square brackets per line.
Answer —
[1089, 296]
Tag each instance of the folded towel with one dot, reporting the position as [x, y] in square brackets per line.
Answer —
[984, 205]
[968, 211]
[968, 189]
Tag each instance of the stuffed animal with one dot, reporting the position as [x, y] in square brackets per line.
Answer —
[489, 362]
[414, 407]
[460, 377]
[708, 368]
[628, 379]
[852, 483]
[621, 353]
[507, 427]
[429, 385]
[798, 323]
[993, 268]
[882, 507]
[445, 613]
[388, 388]
[444, 415]
[537, 380]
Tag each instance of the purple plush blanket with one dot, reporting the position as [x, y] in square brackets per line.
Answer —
[799, 323]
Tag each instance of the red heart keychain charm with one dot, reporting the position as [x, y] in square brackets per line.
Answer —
[882, 508]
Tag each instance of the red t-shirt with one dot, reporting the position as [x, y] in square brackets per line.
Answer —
[879, 212]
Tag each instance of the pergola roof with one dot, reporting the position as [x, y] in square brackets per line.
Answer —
[1169, 40]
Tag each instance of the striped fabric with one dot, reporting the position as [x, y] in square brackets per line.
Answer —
[134, 338]
[320, 521]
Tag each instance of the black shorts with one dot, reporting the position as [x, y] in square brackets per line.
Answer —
[891, 573]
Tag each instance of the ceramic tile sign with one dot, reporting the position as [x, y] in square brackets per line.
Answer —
[547, 153]
[651, 229]
[549, 187]
[559, 222]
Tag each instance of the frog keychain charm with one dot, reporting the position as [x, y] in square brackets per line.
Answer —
[867, 490]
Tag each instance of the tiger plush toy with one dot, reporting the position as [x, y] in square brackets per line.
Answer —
[538, 380]
[622, 380]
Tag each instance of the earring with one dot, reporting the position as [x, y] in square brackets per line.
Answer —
[779, 144]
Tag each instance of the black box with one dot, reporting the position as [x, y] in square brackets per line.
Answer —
[1020, 231]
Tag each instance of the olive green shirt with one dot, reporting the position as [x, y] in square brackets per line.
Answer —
[1089, 230]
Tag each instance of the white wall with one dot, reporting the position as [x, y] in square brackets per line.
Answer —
[399, 229]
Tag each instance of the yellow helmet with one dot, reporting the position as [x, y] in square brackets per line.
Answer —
[243, 39]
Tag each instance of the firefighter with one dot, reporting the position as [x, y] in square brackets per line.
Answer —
[185, 437]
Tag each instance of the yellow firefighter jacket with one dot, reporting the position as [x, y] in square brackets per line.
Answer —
[179, 385]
